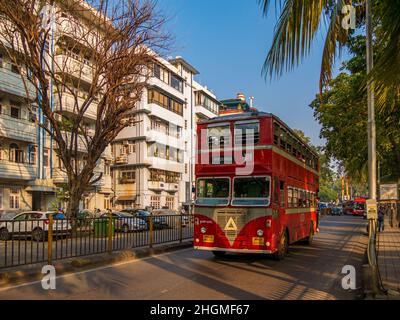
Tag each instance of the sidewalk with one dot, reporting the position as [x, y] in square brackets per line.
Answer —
[388, 245]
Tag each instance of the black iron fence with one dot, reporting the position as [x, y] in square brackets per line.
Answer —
[45, 240]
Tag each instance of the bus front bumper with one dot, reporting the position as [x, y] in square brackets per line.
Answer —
[232, 250]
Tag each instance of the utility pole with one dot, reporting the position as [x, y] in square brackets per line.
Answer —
[371, 108]
[372, 166]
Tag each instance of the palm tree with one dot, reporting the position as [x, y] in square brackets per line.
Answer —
[300, 21]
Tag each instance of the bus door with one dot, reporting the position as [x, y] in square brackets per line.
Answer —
[279, 204]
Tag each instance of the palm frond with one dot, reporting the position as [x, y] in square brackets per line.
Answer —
[335, 40]
[295, 31]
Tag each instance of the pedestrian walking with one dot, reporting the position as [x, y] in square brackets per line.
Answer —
[391, 214]
[381, 218]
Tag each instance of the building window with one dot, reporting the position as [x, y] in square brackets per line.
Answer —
[1, 199]
[164, 101]
[107, 169]
[14, 198]
[127, 177]
[170, 202]
[46, 157]
[15, 112]
[14, 69]
[176, 83]
[16, 155]
[106, 203]
[186, 124]
[155, 202]
[32, 155]
[186, 168]
[131, 148]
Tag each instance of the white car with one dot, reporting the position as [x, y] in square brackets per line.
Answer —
[34, 224]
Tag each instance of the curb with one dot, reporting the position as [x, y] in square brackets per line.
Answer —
[29, 273]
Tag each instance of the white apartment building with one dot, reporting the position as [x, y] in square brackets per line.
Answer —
[154, 157]
[30, 172]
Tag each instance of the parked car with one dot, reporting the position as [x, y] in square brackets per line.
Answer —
[337, 211]
[34, 224]
[172, 217]
[158, 222]
[125, 222]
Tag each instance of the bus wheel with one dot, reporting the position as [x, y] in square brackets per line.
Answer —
[219, 253]
[309, 240]
[283, 247]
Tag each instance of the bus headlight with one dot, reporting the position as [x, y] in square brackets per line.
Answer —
[260, 233]
[203, 230]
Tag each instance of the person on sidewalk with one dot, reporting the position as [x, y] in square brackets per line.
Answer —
[381, 218]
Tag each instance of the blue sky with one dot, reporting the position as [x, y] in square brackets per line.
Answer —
[227, 41]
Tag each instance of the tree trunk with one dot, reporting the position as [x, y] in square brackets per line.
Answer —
[75, 195]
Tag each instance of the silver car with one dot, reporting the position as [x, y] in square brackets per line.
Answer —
[33, 224]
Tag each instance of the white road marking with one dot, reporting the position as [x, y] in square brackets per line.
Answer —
[94, 269]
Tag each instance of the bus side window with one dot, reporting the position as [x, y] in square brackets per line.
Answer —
[295, 198]
[282, 193]
[290, 197]
[276, 191]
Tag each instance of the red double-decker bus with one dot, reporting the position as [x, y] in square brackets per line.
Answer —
[256, 186]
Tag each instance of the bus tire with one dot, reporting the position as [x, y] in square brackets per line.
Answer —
[283, 247]
[310, 239]
[219, 254]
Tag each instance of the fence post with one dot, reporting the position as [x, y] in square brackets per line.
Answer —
[151, 231]
[110, 232]
[50, 241]
[181, 228]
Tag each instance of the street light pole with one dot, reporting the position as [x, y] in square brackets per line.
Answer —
[371, 108]
[372, 162]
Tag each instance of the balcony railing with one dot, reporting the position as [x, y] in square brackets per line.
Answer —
[68, 104]
[17, 171]
[18, 129]
[12, 83]
[74, 67]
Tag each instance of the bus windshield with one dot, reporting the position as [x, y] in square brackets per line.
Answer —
[251, 191]
[212, 191]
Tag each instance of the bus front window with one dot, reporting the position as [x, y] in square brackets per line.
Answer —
[251, 191]
[213, 191]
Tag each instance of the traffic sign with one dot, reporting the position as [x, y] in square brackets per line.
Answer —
[372, 209]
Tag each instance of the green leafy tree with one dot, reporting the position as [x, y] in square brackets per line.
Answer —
[342, 112]
[329, 179]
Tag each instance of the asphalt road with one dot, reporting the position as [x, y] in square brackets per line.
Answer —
[309, 272]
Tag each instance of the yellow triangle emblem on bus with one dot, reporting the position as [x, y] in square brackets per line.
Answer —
[231, 225]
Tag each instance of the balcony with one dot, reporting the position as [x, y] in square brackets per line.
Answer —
[162, 113]
[12, 83]
[156, 185]
[17, 171]
[74, 67]
[68, 105]
[18, 129]
[164, 139]
[59, 177]
[81, 142]
[164, 164]
[75, 31]
[104, 185]
[204, 113]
